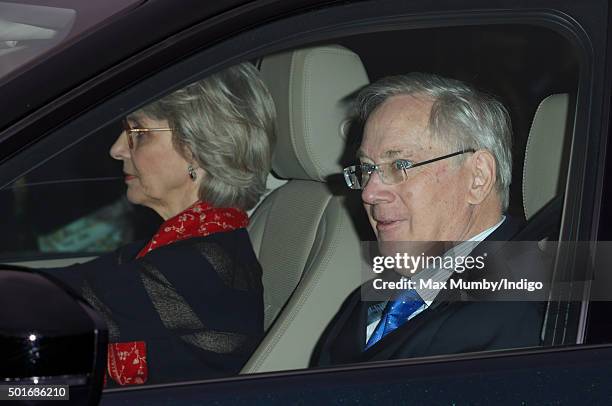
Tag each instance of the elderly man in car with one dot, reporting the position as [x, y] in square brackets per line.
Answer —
[434, 172]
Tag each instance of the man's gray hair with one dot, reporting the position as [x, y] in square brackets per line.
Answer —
[461, 117]
[225, 123]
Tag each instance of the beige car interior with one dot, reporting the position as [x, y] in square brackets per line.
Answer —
[303, 233]
[544, 172]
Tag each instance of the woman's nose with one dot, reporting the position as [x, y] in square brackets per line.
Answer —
[120, 150]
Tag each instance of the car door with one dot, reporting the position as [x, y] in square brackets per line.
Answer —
[77, 115]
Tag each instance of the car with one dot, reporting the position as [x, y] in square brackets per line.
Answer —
[72, 72]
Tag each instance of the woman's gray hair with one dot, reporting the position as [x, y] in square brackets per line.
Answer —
[225, 123]
[461, 117]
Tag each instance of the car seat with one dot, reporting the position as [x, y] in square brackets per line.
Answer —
[304, 233]
[545, 165]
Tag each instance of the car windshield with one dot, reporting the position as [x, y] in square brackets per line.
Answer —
[29, 29]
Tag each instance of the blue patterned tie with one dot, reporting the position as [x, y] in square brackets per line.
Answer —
[395, 314]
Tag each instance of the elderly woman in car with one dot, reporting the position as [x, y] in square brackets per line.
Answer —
[187, 303]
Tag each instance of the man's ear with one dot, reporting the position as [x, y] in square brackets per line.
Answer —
[482, 170]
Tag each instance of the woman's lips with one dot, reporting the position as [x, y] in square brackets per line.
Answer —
[129, 177]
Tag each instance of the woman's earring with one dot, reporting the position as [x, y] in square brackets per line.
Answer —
[192, 173]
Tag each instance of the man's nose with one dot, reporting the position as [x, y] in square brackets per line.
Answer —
[120, 149]
[375, 191]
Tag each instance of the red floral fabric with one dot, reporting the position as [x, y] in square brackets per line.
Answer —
[198, 220]
[127, 361]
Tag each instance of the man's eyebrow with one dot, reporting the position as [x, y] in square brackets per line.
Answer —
[392, 153]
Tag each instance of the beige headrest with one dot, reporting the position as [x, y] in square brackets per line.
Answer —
[542, 177]
[311, 88]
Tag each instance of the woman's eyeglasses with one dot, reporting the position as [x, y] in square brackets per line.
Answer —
[134, 133]
[391, 173]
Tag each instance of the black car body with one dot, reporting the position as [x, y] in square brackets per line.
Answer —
[139, 52]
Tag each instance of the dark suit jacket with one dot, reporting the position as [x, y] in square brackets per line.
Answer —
[197, 303]
[457, 321]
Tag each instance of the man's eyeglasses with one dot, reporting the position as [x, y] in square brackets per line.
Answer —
[134, 133]
[391, 173]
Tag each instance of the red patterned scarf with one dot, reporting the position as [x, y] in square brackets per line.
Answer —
[198, 220]
[127, 361]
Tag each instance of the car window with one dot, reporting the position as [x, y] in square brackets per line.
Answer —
[509, 61]
[521, 64]
[198, 160]
[83, 189]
